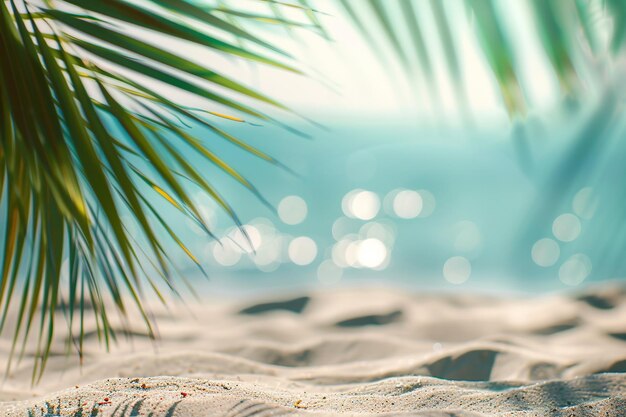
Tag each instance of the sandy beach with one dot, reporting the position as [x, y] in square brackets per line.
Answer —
[358, 351]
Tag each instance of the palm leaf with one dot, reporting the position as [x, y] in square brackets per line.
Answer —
[499, 54]
[557, 24]
[70, 145]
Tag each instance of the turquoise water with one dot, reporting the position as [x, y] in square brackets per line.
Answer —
[479, 210]
[518, 208]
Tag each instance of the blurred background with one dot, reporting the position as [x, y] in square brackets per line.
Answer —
[423, 158]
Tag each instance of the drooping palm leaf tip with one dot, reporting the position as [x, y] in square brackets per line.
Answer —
[571, 36]
[87, 139]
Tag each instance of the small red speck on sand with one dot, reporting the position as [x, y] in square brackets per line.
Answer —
[184, 394]
[106, 399]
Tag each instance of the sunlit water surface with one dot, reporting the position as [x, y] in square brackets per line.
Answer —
[392, 203]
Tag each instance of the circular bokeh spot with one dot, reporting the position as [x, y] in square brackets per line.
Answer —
[566, 227]
[292, 210]
[545, 252]
[457, 270]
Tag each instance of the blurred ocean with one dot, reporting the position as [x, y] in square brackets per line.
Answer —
[404, 189]
[390, 202]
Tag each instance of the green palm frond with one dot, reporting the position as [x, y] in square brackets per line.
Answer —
[87, 138]
[569, 33]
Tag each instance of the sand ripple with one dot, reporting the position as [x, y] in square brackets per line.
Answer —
[351, 352]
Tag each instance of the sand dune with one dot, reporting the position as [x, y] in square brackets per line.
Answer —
[349, 352]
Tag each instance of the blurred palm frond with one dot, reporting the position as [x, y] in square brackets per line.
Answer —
[571, 35]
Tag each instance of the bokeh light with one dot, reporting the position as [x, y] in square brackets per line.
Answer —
[545, 252]
[575, 270]
[226, 253]
[361, 204]
[247, 239]
[292, 210]
[457, 270]
[585, 203]
[267, 257]
[407, 204]
[351, 254]
[341, 227]
[339, 253]
[371, 253]
[383, 231]
[566, 227]
[388, 201]
[302, 250]
[329, 273]
[428, 203]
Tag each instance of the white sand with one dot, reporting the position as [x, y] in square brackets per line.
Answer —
[350, 352]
